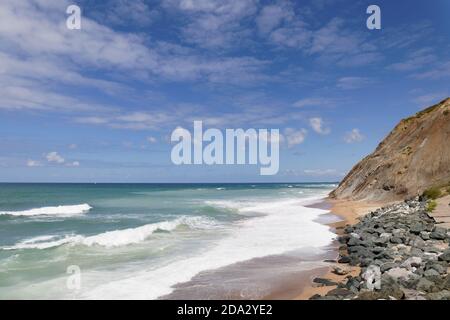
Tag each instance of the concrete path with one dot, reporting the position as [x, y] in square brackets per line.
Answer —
[442, 212]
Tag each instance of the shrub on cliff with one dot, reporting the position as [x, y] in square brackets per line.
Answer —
[431, 206]
[432, 193]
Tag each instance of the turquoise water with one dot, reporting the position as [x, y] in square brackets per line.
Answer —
[139, 240]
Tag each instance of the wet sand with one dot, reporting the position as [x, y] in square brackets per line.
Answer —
[287, 276]
[349, 212]
[272, 277]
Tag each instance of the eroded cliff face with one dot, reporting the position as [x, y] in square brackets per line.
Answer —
[412, 158]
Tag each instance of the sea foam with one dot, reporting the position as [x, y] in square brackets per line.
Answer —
[285, 226]
[115, 238]
[62, 211]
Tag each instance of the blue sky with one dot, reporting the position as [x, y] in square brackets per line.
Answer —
[98, 104]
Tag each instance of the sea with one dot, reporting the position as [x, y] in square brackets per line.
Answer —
[159, 241]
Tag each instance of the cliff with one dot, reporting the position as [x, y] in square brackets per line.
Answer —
[412, 158]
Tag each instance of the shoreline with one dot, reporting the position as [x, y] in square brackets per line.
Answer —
[349, 211]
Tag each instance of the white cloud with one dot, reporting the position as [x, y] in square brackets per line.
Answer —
[73, 146]
[415, 60]
[318, 126]
[36, 64]
[33, 163]
[54, 157]
[353, 136]
[271, 16]
[152, 139]
[348, 83]
[213, 23]
[126, 12]
[313, 102]
[431, 98]
[441, 71]
[314, 173]
[92, 120]
[294, 137]
[73, 164]
[322, 172]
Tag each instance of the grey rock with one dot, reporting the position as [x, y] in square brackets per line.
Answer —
[325, 282]
[445, 256]
[398, 273]
[425, 235]
[438, 233]
[387, 266]
[416, 252]
[372, 276]
[440, 267]
[369, 295]
[424, 285]
[377, 249]
[340, 271]
[441, 295]
[412, 262]
[395, 239]
[390, 288]
[353, 242]
[344, 259]
[431, 273]
[352, 284]
[340, 292]
[417, 228]
[354, 235]
[349, 229]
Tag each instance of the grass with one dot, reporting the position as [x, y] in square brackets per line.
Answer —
[431, 205]
[432, 193]
[424, 112]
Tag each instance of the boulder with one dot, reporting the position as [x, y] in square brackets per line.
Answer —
[372, 276]
[417, 228]
[440, 267]
[325, 282]
[413, 262]
[387, 266]
[440, 295]
[439, 233]
[344, 259]
[445, 256]
[431, 273]
[425, 235]
[424, 285]
[395, 239]
[399, 273]
[353, 242]
[340, 271]
[369, 295]
[340, 293]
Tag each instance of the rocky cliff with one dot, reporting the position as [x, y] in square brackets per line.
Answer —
[412, 158]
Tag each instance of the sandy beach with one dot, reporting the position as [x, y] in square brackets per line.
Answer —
[349, 212]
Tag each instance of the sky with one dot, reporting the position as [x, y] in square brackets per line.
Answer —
[99, 104]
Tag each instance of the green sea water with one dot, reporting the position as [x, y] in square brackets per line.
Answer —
[139, 240]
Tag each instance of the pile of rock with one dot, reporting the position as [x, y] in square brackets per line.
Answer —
[402, 253]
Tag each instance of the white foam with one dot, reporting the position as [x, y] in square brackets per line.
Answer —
[286, 226]
[63, 211]
[115, 238]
